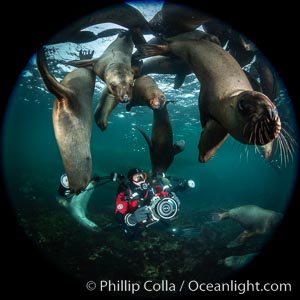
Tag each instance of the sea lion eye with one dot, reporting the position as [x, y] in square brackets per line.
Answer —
[113, 86]
[244, 106]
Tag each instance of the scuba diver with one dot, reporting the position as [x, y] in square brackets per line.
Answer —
[141, 202]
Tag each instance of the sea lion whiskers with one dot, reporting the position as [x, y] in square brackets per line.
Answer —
[289, 140]
[282, 152]
[261, 131]
[286, 145]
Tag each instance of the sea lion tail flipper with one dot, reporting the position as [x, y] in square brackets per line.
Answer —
[152, 50]
[78, 206]
[178, 146]
[212, 137]
[52, 85]
[145, 136]
[178, 80]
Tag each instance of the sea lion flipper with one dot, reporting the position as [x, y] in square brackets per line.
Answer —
[178, 80]
[240, 240]
[212, 137]
[52, 85]
[178, 147]
[149, 142]
[152, 50]
[128, 106]
[107, 103]
[267, 150]
[78, 207]
[83, 63]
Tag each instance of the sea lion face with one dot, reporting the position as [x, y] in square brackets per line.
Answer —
[119, 80]
[258, 117]
[157, 101]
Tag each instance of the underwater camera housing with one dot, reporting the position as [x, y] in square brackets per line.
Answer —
[165, 208]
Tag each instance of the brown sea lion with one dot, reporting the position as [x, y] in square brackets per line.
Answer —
[114, 67]
[162, 150]
[254, 219]
[107, 103]
[227, 102]
[174, 19]
[72, 120]
[123, 14]
[146, 92]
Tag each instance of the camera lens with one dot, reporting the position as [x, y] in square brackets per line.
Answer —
[167, 208]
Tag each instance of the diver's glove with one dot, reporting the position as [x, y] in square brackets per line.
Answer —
[140, 215]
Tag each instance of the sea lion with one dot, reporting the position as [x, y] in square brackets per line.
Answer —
[72, 120]
[146, 92]
[220, 29]
[167, 65]
[242, 49]
[254, 219]
[114, 67]
[162, 150]
[174, 19]
[123, 14]
[227, 102]
[268, 78]
[237, 262]
[107, 103]
[77, 206]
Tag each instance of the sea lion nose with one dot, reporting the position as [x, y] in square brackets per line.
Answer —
[125, 98]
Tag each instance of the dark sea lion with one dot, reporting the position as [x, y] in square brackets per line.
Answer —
[268, 78]
[72, 120]
[167, 65]
[114, 67]
[241, 49]
[124, 15]
[254, 219]
[174, 19]
[162, 150]
[146, 92]
[107, 103]
[234, 42]
[227, 102]
[220, 29]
